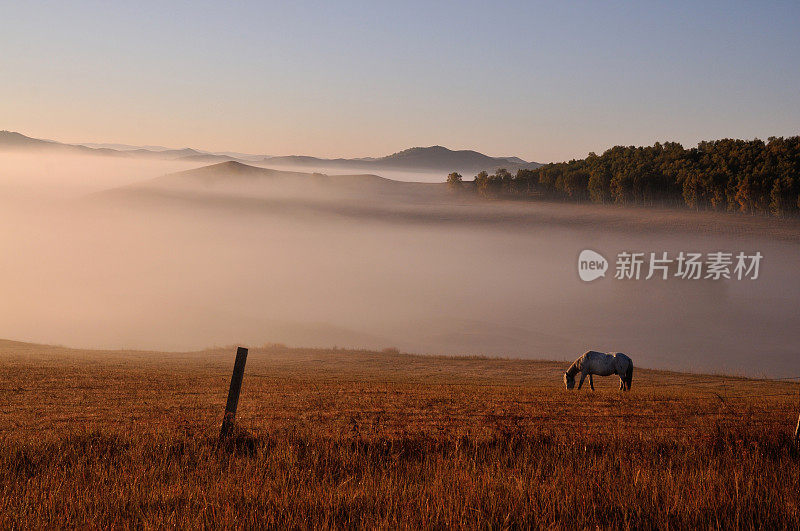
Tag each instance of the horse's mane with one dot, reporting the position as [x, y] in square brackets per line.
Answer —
[575, 367]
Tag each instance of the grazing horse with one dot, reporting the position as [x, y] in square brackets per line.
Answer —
[602, 365]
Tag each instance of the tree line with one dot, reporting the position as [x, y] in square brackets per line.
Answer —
[728, 175]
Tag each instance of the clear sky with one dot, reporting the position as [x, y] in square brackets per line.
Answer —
[542, 80]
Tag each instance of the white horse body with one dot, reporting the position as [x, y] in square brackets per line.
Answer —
[601, 364]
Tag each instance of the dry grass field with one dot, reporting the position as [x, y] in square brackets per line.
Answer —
[336, 438]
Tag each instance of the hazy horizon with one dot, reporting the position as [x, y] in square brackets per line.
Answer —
[197, 263]
[249, 157]
[360, 79]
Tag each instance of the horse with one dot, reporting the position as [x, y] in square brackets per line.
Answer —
[602, 365]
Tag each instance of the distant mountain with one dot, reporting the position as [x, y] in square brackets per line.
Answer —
[122, 147]
[10, 140]
[232, 183]
[438, 157]
[16, 140]
[209, 157]
[165, 154]
[220, 175]
[433, 158]
[180, 153]
[236, 174]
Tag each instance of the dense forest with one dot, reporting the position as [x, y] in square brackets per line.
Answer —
[729, 175]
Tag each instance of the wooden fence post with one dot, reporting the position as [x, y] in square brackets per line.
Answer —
[233, 392]
[797, 431]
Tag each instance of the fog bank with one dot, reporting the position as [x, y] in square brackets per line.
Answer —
[176, 270]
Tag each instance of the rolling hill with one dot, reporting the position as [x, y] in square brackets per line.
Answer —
[235, 182]
[370, 198]
[232, 173]
[433, 158]
[437, 158]
[10, 140]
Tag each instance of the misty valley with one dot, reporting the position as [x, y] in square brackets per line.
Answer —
[112, 252]
[371, 265]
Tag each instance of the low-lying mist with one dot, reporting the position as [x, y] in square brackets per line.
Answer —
[175, 269]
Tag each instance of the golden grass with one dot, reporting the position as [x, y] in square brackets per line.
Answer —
[333, 438]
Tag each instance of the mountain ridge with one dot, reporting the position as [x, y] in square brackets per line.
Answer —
[237, 185]
[430, 158]
[434, 157]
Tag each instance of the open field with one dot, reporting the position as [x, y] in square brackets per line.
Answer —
[333, 437]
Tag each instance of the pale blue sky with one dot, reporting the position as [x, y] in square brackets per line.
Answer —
[544, 81]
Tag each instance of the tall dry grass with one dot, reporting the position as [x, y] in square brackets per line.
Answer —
[338, 439]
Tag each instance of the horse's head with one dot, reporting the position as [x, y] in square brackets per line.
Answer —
[569, 381]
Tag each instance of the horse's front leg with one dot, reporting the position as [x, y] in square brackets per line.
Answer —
[591, 382]
[621, 384]
[583, 377]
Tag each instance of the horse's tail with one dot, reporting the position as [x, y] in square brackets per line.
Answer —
[629, 376]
